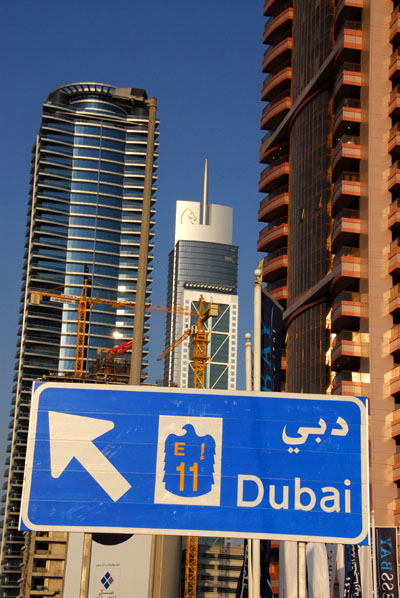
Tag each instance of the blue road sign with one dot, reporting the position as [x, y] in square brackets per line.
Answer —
[194, 462]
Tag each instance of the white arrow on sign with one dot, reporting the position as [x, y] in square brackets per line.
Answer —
[71, 436]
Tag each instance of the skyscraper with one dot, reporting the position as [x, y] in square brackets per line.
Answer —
[203, 262]
[331, 188]
[85, 209]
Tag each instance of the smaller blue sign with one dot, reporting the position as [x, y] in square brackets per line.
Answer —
[189, 448]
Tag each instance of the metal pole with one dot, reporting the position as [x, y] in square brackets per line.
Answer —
[373, 555]
[257, 331]
[247, 352]
[250, 568]
[140, 300]
[256, 388]
[87, 552]
[301, 570]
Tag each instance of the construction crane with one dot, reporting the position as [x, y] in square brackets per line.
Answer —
[199, 340]
[112, 364]
[83, 302]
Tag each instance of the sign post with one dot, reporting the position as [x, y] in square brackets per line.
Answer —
[194, 462]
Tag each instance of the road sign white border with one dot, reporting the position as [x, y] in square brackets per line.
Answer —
[39, 387]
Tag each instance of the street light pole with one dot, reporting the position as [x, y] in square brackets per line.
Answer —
[249, 386]
[256, 388]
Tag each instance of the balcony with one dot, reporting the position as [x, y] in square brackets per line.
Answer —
[394, 344]
[348, 82]
[394, 177]
[53, 552]
[275, 83]
[394, 300]
[270, 7]
[395, 382]
[348, 113]
[12, 554]
[275, 111]
[396, 423]
[394, 103]
[13, 573]
[275, 205]
[349, 383]
[396, 467]
[279, 291]
[394, 66]
[264, 140]
[47, 571]
[346, 192]
[346, 229]
[394, 34]
[11, 584]
[347, 154]
[275, 265]
[274, 175]
[349, 41]
[394, 258]
[14, 538]
[59, 537]
[279, 56]
[14, 496]
[394, 217]
[346, 312]
[346, 351]
[273, 235]
[347, 268]
[394, 141]
[347, 10]
[279, 26]
[40, 591]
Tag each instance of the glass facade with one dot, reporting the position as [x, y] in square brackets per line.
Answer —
[201, 267]
[298, 179]
[309, 191]
[309, 247]
[84, 219]
[313, 40]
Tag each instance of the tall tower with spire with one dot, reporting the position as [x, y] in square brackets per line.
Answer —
[203, 262]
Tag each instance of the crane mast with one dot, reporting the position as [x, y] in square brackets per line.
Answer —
[81, 331]
[199, 339]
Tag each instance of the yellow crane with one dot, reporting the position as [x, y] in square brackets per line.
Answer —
[83, 302]
[199, 340]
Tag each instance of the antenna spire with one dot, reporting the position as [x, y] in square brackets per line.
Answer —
[205, 193]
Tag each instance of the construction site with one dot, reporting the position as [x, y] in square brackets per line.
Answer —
[207, 569]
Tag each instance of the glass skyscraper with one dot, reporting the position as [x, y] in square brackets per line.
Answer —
[84, 222]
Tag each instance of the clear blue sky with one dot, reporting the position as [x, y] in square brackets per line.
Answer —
[201, 60]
